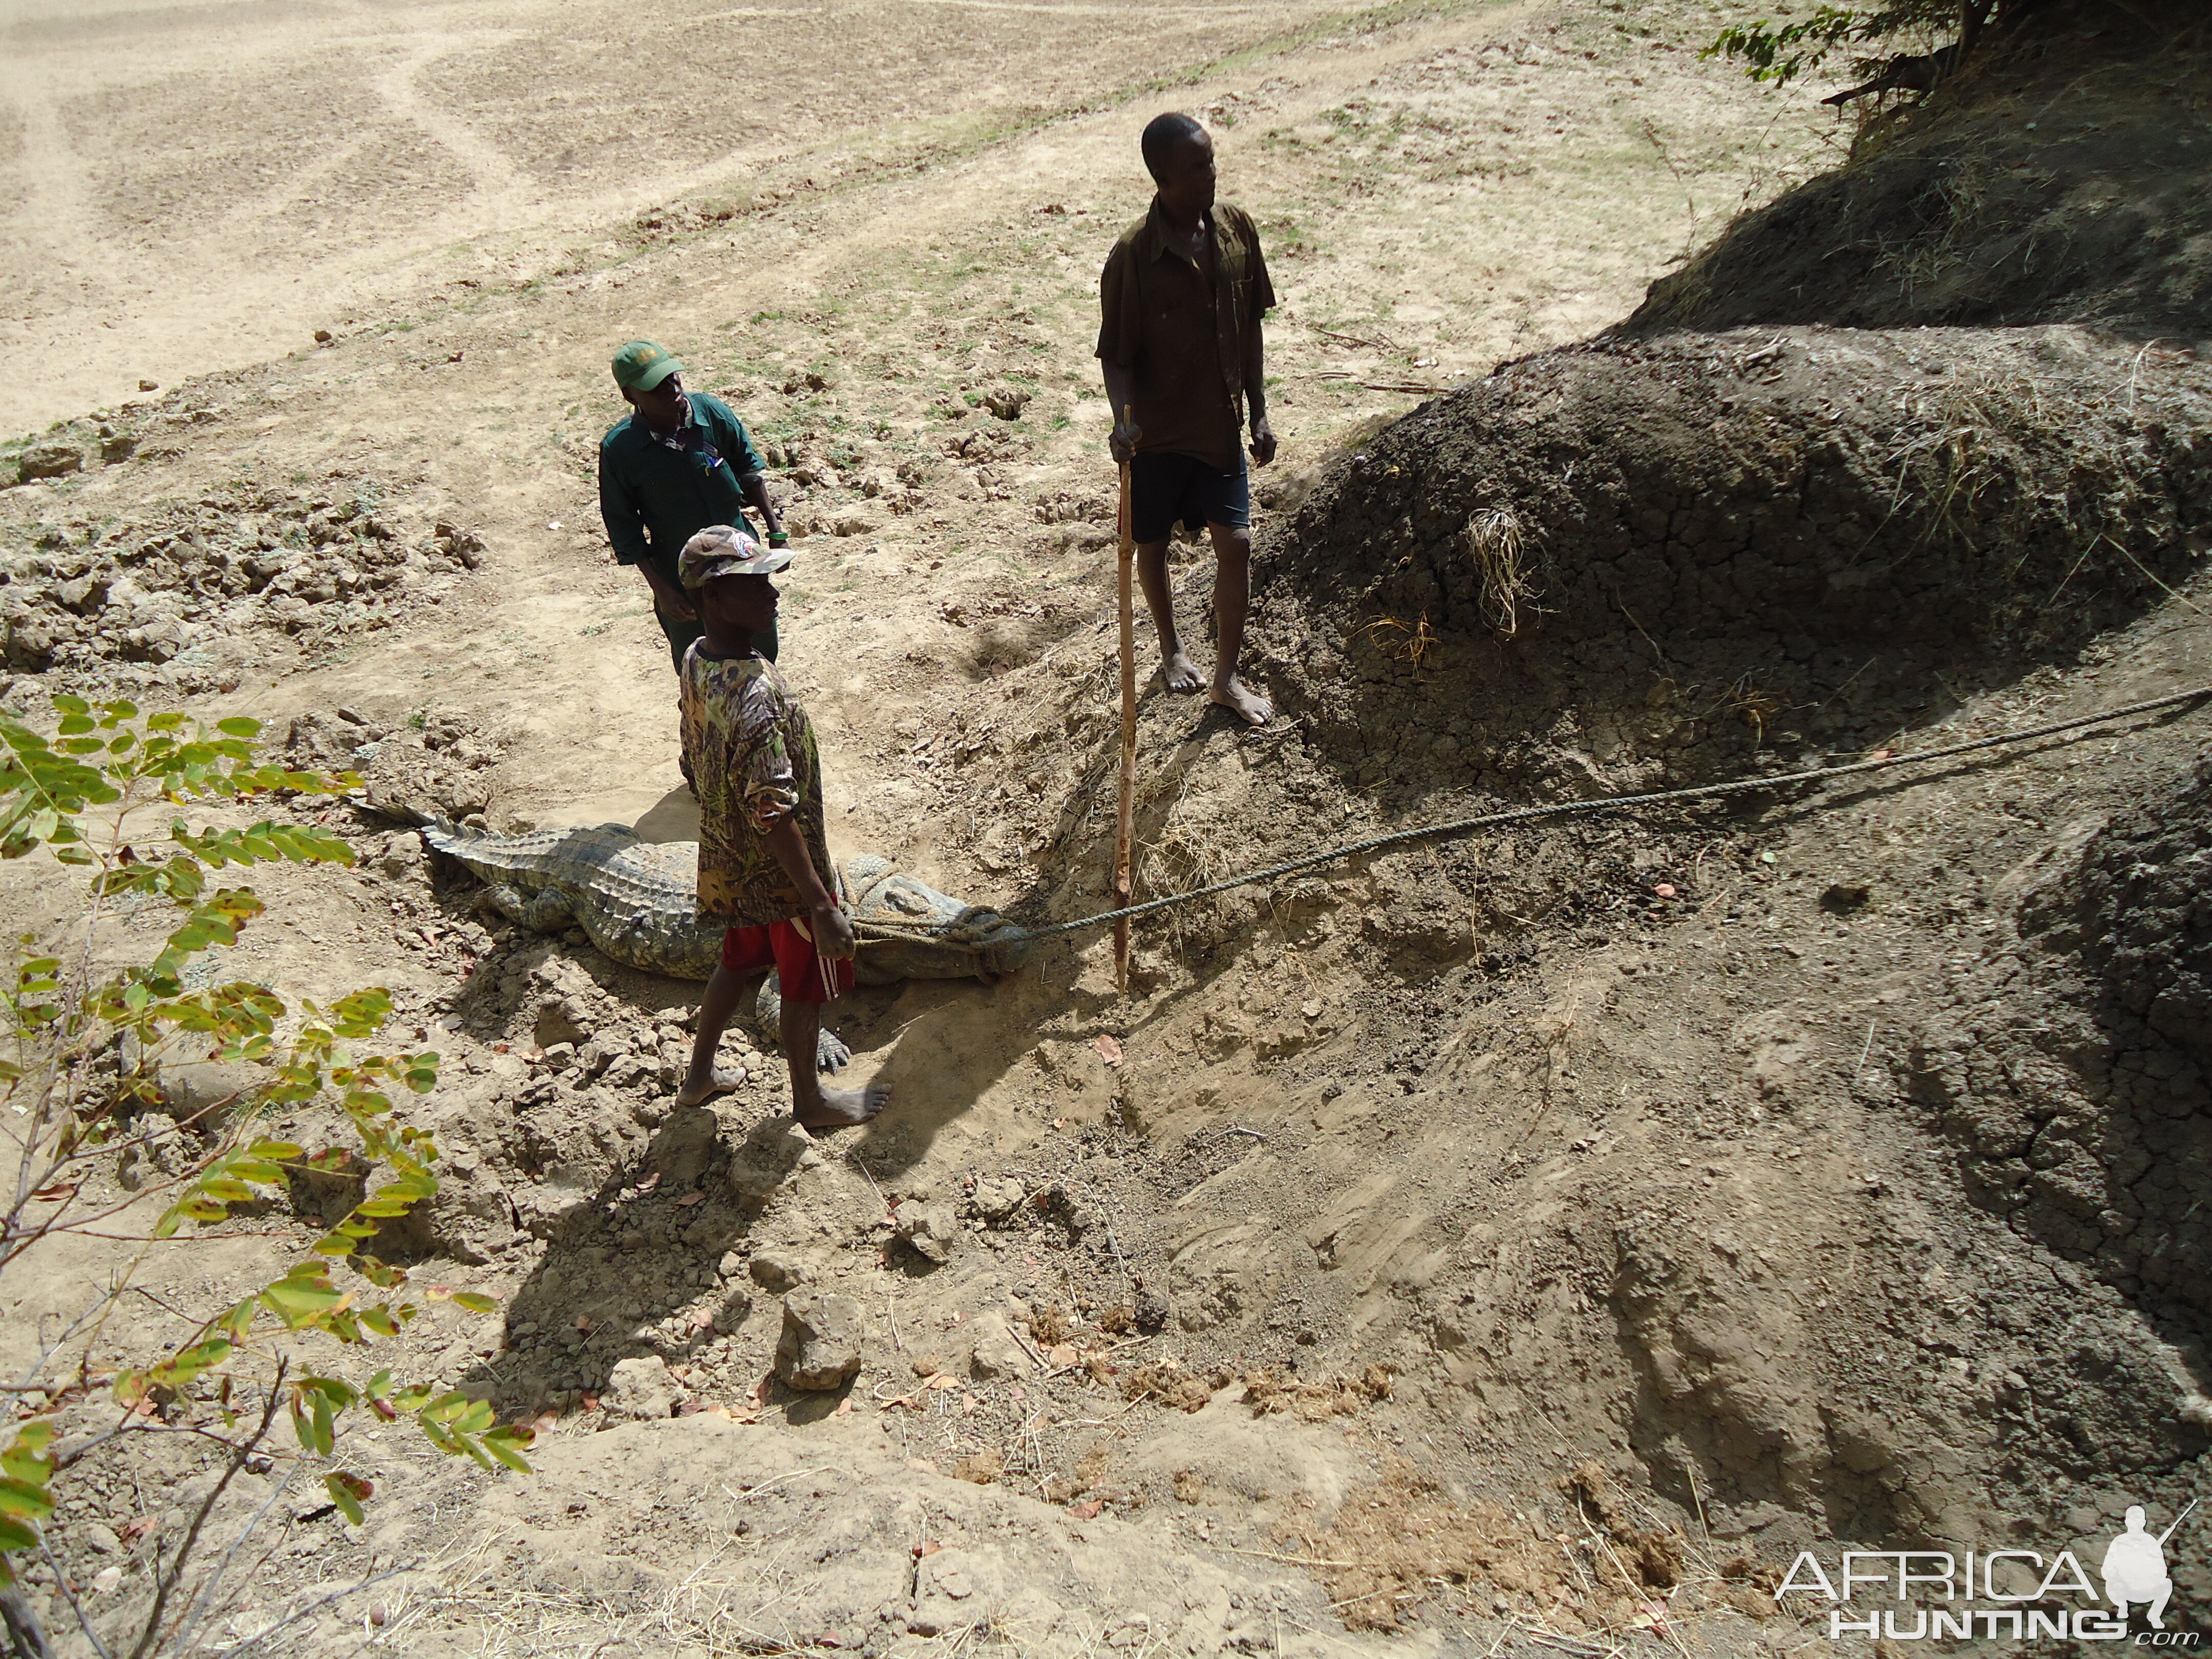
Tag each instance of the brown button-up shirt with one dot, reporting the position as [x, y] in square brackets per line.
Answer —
[1184, 347]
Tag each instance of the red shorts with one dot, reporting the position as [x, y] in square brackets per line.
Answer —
[801, 973]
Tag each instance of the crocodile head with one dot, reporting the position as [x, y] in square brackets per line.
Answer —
[963, 940]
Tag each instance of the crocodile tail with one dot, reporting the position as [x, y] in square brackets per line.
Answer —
[441, 835]
[398, 810]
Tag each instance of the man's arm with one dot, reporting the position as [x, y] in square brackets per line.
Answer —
[753, 486]
[770, 786]
[834, 939]
[620, 512]
[1262, 300]
[1120, 329]
[1255, 393]
[1126, 434]
[751, 468]
[667, 595]
[625, 521]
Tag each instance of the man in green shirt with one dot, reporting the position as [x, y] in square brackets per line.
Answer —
[677, 463]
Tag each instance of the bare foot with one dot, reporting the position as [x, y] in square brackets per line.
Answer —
[1182, 673]
[695, 1093]
[841, 1109]
[1243, 701]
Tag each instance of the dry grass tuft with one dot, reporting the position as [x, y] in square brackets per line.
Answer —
[1652, 1554]
[1401, 1542]
[1753, 704]
[1196, 846]
[1418, 646]
[1170, 1383]
[1969, 415]
[1049, 1325]
[1494, 540]
[1270, 1393]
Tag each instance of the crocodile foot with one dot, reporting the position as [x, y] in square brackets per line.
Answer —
[830, 1053]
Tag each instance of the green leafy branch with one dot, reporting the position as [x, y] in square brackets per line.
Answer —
[1780, 52]
[26, 1470]
[83, 1046]
[108, 755]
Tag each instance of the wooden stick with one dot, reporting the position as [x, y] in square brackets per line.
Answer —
[1126, 816]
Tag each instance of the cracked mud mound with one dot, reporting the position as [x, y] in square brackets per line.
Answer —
[2073, 1072]
[1655, 558]
[2066, 176]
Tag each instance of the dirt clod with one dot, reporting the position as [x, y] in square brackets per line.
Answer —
[1151, 1311]
[931, 1228]
[996, 1354]
[641, 1387]
[820, 1346]
[54, 461]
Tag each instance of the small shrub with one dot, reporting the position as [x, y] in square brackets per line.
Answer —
[82, 1047]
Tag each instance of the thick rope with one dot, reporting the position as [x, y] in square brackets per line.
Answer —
[1526, 814]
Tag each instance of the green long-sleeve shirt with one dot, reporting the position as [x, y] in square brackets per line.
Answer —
[654, 498]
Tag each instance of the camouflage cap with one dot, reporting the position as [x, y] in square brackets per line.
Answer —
[722, 549]
[640, 365]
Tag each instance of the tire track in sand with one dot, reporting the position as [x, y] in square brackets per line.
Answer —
[497, 179]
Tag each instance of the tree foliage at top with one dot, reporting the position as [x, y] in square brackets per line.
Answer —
[1780, 52]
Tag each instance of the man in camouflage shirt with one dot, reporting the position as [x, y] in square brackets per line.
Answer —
[764, 865]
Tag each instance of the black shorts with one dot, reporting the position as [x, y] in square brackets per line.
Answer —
[1165, 488]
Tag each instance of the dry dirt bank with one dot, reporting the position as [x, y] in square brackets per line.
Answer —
[1509, 1243]
[2061, 177]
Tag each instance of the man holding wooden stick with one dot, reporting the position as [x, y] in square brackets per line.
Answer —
[1182, 294]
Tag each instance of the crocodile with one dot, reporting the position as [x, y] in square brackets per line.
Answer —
[636, 901]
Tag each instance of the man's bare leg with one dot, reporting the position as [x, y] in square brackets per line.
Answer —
[702, 1081]
[816, 1107]
[1232, 596]
[1182, 673]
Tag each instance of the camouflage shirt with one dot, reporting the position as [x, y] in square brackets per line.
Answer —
[753, 759]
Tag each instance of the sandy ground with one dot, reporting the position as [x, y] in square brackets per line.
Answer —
[191, 188]
[1439, 187]
[908, 203]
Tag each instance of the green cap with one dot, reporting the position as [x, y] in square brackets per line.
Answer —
[640, 365]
